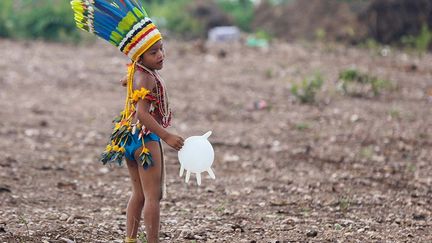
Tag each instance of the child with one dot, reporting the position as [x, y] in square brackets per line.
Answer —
[141, 125]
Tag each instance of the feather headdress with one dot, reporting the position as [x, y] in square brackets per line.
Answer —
[123, 23]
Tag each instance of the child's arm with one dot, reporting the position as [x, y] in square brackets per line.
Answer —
[144, 80]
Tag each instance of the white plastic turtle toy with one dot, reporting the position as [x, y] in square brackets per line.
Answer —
[196, 156]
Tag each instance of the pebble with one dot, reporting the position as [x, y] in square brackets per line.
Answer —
[67, 240]
[64, 217]
[70, 219]
[51, 216]
[104, 170]
[354, 118]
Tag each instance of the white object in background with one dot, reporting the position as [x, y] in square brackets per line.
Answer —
[224, 34]
[196, 156]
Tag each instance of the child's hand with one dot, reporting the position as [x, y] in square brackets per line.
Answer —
[123, 81]
[176, 142]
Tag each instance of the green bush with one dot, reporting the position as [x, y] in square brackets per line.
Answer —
[242, 11]
[47, 19]
[421, 42]
[354, 83]
[6, 18]
[174, 17]
[307, 89]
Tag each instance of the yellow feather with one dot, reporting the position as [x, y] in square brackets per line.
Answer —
[116, 37]
[138, 13]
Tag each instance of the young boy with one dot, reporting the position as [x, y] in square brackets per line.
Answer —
[143, 122]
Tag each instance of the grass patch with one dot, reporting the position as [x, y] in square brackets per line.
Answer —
[354, 83]
[306, 90]
[394, 113]
[421, 42]
[366, 152]
[344, 204]
[47, 20]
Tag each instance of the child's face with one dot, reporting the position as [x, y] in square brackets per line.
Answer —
[154, 57]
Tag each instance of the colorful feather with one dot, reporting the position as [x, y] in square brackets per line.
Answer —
[123, 23]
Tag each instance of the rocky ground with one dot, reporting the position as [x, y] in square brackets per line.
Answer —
[344, 169]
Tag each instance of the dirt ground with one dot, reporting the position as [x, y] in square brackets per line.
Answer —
[345, 169]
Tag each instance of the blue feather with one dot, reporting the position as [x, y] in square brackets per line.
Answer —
[110, 10]
[106, 20]
[106, 16]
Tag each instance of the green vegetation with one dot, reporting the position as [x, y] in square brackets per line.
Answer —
[53, 20]
[411, 168]
[344, 204]
[307, 89]
[6, 24]
[320, 34]
[221, 207]
[366, 152]
[371, 44]
[420, 43]
[48, 20]
[22, 220]
[354, 83]
[175, 18]
[242, 11]
[269, 73]
[142, 237]
[394, 113]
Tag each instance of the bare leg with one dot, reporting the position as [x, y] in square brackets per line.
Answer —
[136, 201]
[151, 185]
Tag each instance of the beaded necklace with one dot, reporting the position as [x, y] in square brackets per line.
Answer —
[162, 96]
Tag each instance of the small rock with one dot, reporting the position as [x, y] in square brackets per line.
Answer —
[197, 237]
[210, 189]
[231, 158]
[419, 217]
[67, 240]
[222, 53]
[4, 189]
[67, 185]
[186, 234]
[70, 219]
[312, 233]
[104, 170]
[52, 216]
[274, 241]
[354, 118]
[43, 123]
[64, 217]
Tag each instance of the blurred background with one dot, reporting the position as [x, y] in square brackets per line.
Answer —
[401, 23]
